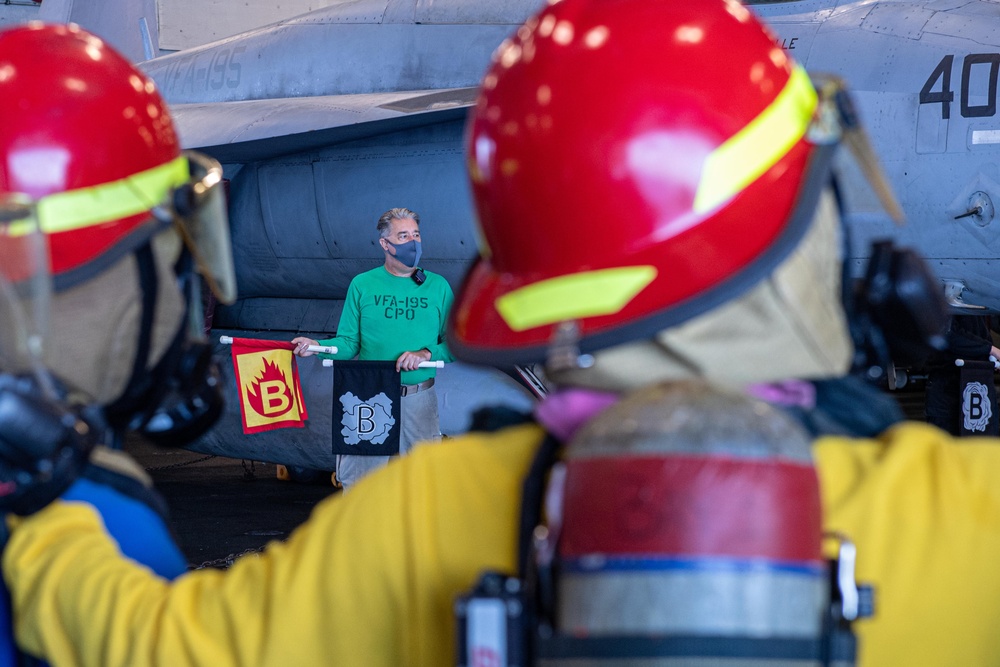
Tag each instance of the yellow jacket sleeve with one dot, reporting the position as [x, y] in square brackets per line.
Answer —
[923, 509]
[368, 580]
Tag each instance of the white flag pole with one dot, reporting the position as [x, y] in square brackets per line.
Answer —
[422, 364]
[327, 349]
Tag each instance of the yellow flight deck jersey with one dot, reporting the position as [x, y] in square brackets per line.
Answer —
[923, 508]
[369, 580]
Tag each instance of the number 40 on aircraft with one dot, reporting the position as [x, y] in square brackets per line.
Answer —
[944, 94]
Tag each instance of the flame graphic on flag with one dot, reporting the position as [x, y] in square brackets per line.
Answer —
[267, 381]
[271, 385]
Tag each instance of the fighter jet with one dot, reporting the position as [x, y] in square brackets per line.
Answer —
[923, 74]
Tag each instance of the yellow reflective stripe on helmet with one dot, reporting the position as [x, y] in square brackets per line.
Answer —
[571, 297]
[76, 209]
[758, 146]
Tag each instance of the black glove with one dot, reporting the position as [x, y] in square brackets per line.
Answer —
[44, 445]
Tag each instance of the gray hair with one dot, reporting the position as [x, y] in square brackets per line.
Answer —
[385, 220]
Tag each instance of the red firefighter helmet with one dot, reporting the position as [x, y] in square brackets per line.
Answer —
[91, 170]
[612, 147]
[87, 137]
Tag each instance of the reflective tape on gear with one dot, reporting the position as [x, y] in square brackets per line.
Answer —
[21, 226]
[86, 207]
[745, 156]
[578, 295]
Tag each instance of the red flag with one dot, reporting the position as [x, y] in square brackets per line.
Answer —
[267, 379]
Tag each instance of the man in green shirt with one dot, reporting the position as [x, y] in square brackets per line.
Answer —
[396, 311]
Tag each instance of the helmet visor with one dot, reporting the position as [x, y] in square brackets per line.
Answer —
[198, 209]
[25, 286]
[835, 121]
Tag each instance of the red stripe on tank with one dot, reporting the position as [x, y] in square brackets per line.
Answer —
[691, 506]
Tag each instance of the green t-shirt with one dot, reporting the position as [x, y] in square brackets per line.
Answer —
[386, 315]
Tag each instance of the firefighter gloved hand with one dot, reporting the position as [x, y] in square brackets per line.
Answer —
[44, 445]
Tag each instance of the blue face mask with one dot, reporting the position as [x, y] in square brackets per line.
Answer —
[408, 253]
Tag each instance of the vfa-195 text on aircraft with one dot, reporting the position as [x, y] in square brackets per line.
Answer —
[325, 120]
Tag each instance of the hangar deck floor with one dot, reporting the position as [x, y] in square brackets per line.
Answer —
[221, 507]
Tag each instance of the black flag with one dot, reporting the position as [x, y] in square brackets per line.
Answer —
[366, 408]
[978, 398]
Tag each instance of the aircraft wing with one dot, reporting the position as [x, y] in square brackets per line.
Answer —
[262, 129]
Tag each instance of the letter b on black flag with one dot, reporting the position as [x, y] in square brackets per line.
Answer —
[366, 399]
[978, 399]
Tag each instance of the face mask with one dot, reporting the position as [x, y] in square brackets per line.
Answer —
[408, 253]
